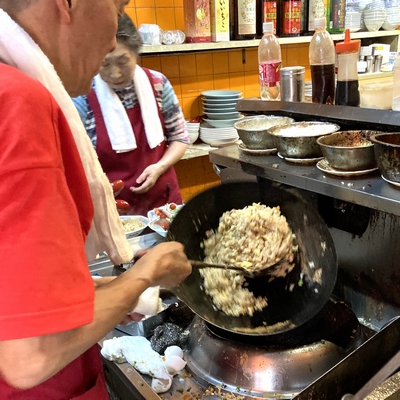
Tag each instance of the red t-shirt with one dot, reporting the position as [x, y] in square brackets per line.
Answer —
[45, 215]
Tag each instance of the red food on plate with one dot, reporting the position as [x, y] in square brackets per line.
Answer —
[164, 223]
[160, 213]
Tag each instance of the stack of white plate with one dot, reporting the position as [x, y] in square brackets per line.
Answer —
[218, 136]
[220, 107]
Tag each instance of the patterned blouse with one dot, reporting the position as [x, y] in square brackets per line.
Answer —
[174, 121]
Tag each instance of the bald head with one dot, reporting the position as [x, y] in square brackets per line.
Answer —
[75, 35]
[13, 7]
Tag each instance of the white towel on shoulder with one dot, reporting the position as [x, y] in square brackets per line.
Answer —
[117, 123]
[18, 49]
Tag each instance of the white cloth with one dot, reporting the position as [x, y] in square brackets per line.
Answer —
[137, 351]
[149, 302]
[116, 119]
[18, 49]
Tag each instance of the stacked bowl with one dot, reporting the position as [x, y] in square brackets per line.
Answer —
[193, 129]
[220, 107]
[374, 15]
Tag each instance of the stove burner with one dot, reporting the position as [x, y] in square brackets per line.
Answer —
[335, 323]
[277, 366]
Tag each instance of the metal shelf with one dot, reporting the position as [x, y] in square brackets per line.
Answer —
[369, 190]
[366, 190]
[235, 44]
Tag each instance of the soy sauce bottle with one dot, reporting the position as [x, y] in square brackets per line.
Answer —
[347, 93]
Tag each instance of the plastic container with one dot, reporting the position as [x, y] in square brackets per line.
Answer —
[269, 64]
[376, 95]
[347, 93]
[396, 84]
[322, 64]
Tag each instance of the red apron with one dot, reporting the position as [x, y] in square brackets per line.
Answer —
[83, 379]
[128, 166]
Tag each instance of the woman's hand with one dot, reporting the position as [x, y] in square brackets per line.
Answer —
[147, 179]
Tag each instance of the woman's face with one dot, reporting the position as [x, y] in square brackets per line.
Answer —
[118, 67]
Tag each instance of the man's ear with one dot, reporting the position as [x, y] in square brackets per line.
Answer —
[64, 8]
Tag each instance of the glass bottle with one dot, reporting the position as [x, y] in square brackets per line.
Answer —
[243, 16]
[269, 13]
[347, 93]
[322, 64]
[269, 64]
[290, 17]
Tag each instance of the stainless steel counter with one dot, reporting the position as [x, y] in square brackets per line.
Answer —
[367, 190]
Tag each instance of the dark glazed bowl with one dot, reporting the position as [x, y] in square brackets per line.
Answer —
[349, 150]
[253, 131]
[387, 155]
[299, 139]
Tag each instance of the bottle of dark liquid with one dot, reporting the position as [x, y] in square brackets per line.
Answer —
[322, 64]
[243, 19]
[347, 93]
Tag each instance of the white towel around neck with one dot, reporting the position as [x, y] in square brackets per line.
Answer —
[106, 234]
[116, 119]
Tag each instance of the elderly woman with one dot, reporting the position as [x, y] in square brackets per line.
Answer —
[135, 122]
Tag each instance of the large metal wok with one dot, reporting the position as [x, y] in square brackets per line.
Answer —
[312, 280]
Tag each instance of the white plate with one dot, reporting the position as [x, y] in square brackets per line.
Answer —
[218, 142]
[258, 152]
[151, 215]
[157, 228]
[304, 161]
[323, 165]
[220, 100]
[145, 221]
[391, 182]
[224, 110]
[221, 93]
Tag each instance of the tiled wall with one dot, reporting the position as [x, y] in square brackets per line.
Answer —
[191, 73]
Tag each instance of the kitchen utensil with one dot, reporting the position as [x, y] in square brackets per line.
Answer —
[348, 150]
[316, 270]
[251, 274]
[387, 151]
[299, 139]
[253, 130]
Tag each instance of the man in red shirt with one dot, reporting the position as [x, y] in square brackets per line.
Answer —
[51, 315]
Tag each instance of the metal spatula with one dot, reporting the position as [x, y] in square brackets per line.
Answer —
[244, 271]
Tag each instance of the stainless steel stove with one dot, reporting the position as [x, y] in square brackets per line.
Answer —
[363, 215]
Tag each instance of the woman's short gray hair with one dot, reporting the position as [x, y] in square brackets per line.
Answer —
[128, 34]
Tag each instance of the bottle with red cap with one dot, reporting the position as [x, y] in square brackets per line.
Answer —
[347, 93]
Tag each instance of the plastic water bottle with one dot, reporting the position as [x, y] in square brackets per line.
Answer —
[269, 64]
[322, 64]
